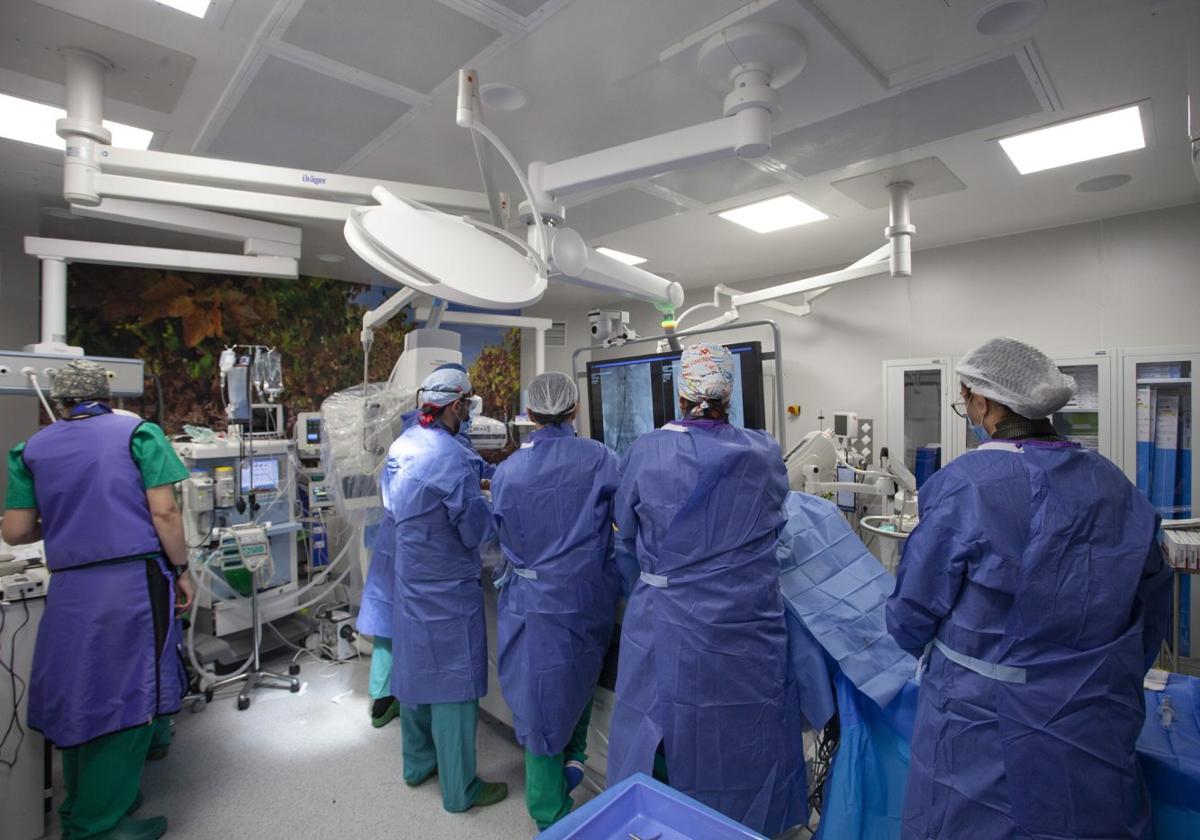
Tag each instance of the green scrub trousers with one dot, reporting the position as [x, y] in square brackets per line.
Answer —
[440, 738]
[380, 681]
[102, 779]
[546, 794]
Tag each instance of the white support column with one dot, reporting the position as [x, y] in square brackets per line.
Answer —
[54, 301]
[539, 352]
[83, 127]
[900, 229]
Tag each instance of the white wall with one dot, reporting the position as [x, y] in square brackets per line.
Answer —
[1125, 282]
[19, 324]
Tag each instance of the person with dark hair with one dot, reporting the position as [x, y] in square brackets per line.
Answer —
[97, 487]
[1036, 592]
[438, 637]
[702, 681]
[552, 502]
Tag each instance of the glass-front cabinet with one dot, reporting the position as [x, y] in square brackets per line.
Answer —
[1159, 398]
[1090, 419]
[917, 415]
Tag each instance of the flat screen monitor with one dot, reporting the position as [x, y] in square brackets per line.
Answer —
[629, 397]
[845, 498]
[312, 431]
[260, 474]
[267, 421]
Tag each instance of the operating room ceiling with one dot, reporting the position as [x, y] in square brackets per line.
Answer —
[367, 87]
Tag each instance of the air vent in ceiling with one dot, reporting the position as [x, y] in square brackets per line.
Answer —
[556, 336]
[988, 94]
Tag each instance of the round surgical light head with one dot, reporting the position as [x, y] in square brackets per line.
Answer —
[451, 257]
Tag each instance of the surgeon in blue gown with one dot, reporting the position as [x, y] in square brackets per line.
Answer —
[552, 502]
[1035, 587]
[375, 620]
[375, 616]
[702, 676]
[439, 642]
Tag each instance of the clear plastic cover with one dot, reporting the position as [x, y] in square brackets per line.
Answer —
[358, 429]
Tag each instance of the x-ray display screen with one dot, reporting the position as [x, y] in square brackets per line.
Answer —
[629, 397]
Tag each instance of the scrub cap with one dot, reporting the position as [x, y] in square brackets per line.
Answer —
[1016, 375]
[706, 374]
[552, 394]
[444, 386]
[80, 380]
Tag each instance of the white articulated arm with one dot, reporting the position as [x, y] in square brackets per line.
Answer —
[104, 253]
[258, 238]
[584, 265]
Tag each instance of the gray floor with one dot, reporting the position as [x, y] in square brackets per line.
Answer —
[310, 765]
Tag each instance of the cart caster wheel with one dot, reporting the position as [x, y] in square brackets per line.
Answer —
[294, 669]
[197, 707]
[208, 696]
[243, 704]
[295, 688]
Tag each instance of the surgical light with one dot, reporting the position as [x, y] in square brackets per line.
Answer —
[1097, 136]
[783, 211]
[34, 122]
[195, 8]
[628, 259]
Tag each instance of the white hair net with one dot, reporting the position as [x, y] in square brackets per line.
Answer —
[1017, 375]
[552, 394]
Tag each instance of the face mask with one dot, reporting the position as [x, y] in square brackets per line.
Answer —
[978, 429]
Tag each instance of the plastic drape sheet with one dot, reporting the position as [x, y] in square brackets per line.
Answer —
[864, 797]
[1169, 749]
[837, 589]
[358, 427]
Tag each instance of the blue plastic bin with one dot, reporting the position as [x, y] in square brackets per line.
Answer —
[647, 809]
[929, 461]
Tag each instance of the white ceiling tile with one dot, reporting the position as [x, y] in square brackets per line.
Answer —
[144, 73]
[717, 181]
[293, 116]
[616, 211]
[987, 94]
[415, 43]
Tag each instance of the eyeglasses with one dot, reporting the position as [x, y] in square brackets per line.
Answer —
[960, 406]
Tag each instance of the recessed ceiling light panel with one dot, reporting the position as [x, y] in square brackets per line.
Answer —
[195, 8]
[779, 213]
[628, 259]
[1088, 138]
[34, 122]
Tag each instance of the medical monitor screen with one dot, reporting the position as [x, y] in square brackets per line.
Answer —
[629, 397]
[312, 431]
[265, 475]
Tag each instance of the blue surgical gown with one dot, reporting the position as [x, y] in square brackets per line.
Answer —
[1040, 557]
[552, 502]
[439, 641]
[375, 613]
[704, 663]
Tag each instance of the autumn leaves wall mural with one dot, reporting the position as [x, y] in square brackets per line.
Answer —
[178, 323]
